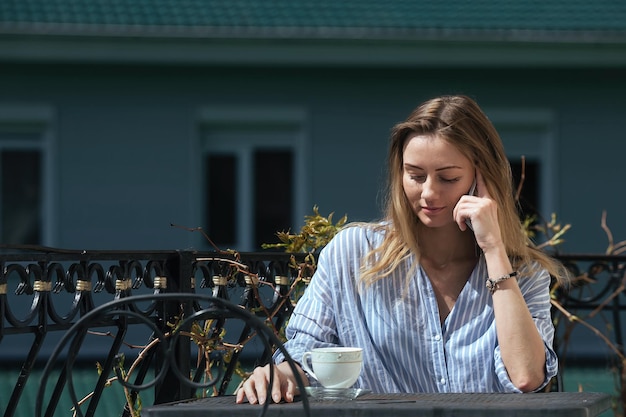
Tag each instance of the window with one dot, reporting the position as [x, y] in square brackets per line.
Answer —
[252, 175]
[273, 195]
[21, 196]
[24, 194]
[220, 203]
[529, 134]
[529, 193]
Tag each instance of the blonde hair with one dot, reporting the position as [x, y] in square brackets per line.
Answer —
[459, 121]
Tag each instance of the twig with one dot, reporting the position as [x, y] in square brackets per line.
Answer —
[109, 334]
[142, 355]
[609, 235]
[240, 267]
[608, 299]
[88, 396]
[575, 319]
[206, 236]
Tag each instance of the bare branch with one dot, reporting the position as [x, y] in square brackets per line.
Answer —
[609, 235]
[576, 319]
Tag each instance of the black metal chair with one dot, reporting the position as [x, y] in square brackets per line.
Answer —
[169, 357]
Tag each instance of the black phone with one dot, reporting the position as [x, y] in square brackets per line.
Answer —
[472, 191]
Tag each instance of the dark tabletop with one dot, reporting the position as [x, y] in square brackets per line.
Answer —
[566, 404]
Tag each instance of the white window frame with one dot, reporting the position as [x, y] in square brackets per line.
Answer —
[240, 119]
[36, 119]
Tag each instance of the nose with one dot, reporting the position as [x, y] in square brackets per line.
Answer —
[428, 189]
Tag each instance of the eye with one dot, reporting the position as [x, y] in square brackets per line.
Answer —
[450, 180]
[418, 178]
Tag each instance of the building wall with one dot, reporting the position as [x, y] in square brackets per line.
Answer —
[124, 137]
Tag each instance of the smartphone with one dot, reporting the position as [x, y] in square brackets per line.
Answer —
[472, 191]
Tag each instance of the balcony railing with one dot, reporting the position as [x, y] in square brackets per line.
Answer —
[198, 315]
[595, 299]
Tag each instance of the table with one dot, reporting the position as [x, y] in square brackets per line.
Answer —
[553, 404]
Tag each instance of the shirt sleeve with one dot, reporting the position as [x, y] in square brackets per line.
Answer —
[312, 323]
[536, 291]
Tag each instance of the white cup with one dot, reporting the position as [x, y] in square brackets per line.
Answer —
[334, 367]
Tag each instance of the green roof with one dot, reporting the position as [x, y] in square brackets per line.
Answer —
[317, 32]
[318, 18]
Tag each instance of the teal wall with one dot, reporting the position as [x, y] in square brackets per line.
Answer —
[124, 138]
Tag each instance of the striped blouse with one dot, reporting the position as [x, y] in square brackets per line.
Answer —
[405, 346]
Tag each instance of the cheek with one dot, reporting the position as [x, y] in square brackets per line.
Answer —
[411, 191]
[405, 185]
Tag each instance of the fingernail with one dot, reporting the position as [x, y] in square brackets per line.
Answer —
[276, 398]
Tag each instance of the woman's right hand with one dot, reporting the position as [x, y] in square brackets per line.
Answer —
[284, 384]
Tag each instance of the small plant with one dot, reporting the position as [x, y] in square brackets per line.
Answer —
[314, 235]
[552, 231]
[316, 232]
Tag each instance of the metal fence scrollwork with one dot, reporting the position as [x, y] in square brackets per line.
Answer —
[197, 315]
[595, 299]
[179, 324]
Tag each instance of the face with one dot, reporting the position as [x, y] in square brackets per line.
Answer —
[435, 176]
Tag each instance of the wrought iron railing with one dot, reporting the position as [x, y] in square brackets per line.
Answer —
[595, 298]
[109, 294]
[32, 285]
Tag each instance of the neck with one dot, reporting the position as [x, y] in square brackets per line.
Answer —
[441, 247]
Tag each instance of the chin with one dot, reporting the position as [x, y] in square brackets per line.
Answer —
[426, 222]
[434, 224]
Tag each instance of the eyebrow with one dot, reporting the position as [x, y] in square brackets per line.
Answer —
[407, 165]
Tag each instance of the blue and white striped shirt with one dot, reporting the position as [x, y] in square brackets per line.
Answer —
[405, 346]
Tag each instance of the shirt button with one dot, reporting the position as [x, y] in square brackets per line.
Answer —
[443, 381]
[437, 337]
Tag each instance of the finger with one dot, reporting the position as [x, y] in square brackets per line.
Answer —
[289, 390]
[458, 216]
[464, 222]
[256, 385]
[260, 386]
[247, 391]
[277, 387]
[240, 395]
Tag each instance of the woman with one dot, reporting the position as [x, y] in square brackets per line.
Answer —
[446, 294]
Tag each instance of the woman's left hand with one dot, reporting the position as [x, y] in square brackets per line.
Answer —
[482, 212]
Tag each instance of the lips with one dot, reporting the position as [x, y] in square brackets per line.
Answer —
[432, 210]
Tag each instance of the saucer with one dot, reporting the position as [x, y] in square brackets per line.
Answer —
[335, 394]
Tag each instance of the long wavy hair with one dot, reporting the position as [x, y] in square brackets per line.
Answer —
[460, 121]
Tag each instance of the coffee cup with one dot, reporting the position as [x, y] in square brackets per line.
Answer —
[334, 367]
